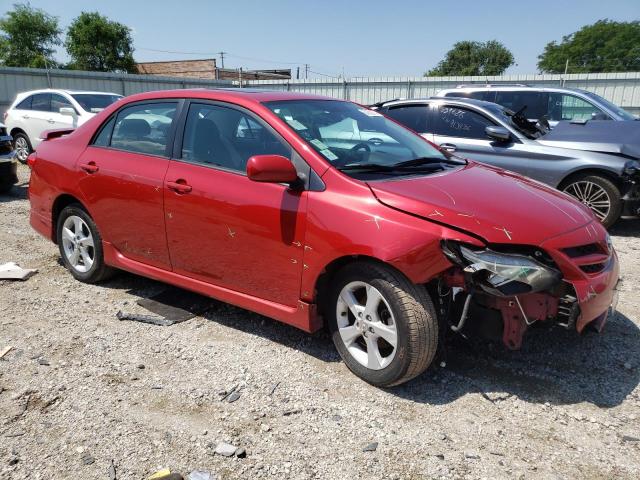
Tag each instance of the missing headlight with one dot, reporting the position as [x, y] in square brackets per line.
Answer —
[503, 274]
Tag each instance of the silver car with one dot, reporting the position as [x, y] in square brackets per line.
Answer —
[604, 174]
[554, 103]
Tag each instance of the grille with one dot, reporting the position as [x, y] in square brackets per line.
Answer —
[583, 250]
[593, 268]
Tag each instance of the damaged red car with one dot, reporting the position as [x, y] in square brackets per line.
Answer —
[317, 211]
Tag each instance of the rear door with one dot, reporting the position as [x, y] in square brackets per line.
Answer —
[223, 228]
[37, 120]
[123, 173]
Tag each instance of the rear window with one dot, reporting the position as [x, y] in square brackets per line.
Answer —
[486, 95]
[25, 104]
[41, 102]
[144, 128]
[411, 116]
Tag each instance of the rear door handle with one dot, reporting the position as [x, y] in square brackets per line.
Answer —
[179, 186]
[90, 167]
[449, 147]
[26, 117]
[51, 120]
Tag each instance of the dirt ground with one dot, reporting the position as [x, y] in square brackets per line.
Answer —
[81, 391]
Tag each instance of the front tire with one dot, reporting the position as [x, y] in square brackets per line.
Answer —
[384, 327]
[80, 245]
[598, 193]
[22, 146]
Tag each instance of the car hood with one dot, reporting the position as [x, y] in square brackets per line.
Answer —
[497, 205]
[607, 136]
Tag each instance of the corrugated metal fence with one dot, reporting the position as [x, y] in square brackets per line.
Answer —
[15, 80]
[623, 89]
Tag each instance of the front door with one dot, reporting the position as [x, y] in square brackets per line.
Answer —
[461, 131]
[223, 228]
[124, 170]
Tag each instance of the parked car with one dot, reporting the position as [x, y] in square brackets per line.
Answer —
[263, 200]
[8, 163]
[590, 161]
[554, 103]
[38, 110]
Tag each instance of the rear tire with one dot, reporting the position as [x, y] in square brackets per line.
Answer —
[369, 304]
[22, 146]
[80, 245]
[598, 193]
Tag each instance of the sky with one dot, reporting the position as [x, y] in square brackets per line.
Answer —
[352, 37]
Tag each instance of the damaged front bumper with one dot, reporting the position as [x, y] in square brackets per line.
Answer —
[631, 190]
[571, 286]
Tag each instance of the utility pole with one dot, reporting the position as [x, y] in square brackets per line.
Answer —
[298, 73]
[566, 69]
[306, 71]
[222, 54]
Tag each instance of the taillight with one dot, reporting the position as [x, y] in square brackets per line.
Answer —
[31, 160]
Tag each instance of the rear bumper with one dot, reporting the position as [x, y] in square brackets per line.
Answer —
[8, 169]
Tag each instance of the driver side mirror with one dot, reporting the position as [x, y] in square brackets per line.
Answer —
[271, 169]
[499, 134]
[599, 116]
[68, 111]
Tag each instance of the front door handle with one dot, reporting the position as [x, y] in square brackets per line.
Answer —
[179, 186]
[26, 117]
[90, 167]
[449, 147]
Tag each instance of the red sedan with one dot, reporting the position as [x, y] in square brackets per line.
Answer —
[317, 211]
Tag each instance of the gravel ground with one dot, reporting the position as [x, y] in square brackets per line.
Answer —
[81, 391]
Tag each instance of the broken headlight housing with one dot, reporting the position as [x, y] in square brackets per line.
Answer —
[503, 274]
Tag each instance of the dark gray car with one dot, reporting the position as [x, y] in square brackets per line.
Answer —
[603, 174]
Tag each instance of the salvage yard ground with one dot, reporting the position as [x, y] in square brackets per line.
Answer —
[80, 390]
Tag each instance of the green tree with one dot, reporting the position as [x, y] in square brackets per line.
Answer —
[605, 46]
[96, 43]
[474, 58]
[28, 37]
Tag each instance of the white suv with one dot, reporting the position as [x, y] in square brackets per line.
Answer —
[33, 112]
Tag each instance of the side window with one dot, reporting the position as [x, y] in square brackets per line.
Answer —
[41, 102]
[104, 137]
[226, 137]
[563, 106]
[144, 128]
[25, 104]
[459, 122]
[535, 102]
[411, 116]
[58, 102]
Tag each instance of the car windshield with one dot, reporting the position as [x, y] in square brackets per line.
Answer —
[518, 121]
[355, 139]
[623, 114]
[95, 102]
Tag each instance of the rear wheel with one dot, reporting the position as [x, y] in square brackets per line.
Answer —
[22, 146]
[600, 194]
[80, 245]
[383, 326]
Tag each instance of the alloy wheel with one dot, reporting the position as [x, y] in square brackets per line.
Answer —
[78, 245]
[592, 195]
[366, 325]
[22, 149]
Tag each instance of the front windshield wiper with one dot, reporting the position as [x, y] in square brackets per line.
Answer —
[418, 162]
[427, 163]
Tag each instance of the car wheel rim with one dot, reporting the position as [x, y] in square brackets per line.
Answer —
[592, 195]
[22, 149]
[77, 243]
[366, 325]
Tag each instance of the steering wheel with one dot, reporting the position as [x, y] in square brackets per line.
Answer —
[361, 146]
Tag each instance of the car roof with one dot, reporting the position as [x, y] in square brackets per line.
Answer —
[458, 100]
[476, 88]
[70, 92]
[230, 94]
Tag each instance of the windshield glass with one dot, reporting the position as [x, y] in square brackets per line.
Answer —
[623, 114]
[94, 102]
[351, 137]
